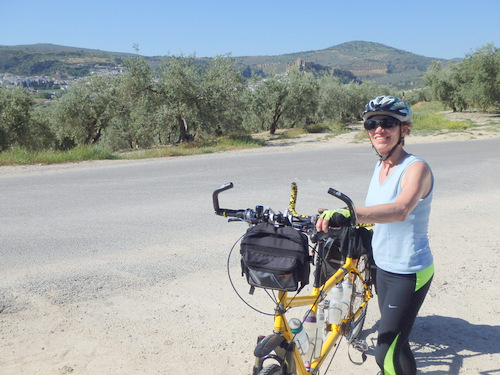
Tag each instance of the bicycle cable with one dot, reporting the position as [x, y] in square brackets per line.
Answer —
[232, 284]
[272, 297]
[334, 353]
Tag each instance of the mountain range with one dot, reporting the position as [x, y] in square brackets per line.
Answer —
[361, 60]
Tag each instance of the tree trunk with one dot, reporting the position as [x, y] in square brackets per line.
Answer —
[90, 132]
[276, 117]
[97, 136]
[184, 135]
[273, 128]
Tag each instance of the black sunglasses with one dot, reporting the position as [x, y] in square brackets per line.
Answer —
[386, 123]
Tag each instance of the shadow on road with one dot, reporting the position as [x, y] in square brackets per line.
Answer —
[445, 343]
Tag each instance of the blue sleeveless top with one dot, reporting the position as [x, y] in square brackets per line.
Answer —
[403, 246]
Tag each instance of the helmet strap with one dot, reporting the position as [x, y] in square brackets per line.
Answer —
[384, 158]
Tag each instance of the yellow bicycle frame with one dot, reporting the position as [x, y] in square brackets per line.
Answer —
[281, 324]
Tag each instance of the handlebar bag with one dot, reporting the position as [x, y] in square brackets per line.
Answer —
[275, 257]
[332, 259]
[355, 242]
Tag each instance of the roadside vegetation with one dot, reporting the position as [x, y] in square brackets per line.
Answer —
[185, 109]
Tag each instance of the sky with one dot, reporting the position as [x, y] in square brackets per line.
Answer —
[432, 28]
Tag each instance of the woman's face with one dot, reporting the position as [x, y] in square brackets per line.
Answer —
[385, 139]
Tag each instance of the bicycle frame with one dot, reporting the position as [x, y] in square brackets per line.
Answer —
[312, 300]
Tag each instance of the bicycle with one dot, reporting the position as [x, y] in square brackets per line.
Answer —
[288, 350]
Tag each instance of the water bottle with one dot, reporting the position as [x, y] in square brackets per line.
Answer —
[314, 324]
[300, 335]
[346, 295]
[320, 327]
[335, 306]
[307, 365]
[310, 326]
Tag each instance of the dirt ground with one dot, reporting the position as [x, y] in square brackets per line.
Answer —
[161, 333]
[484, 126]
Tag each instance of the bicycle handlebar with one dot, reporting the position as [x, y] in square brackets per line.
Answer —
[224, 211]
[291, 217]
[249, 215]
[347, 201]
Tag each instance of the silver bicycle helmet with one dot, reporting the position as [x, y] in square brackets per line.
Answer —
[389, 106]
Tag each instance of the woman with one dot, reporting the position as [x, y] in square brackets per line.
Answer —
[398, 202]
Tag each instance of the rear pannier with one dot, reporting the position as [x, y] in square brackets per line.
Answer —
[275, 257]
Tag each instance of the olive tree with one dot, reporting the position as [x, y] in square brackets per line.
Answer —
[220, 97]
[472, 83]
[179, 90]
[134, 123]
[201, 98]
[481, 76]
[15, 117]
[446, 85]
[343, 102]
[301, 103]
[86, 110]
[268, 102]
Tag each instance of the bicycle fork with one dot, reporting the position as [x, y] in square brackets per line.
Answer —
[278, 346]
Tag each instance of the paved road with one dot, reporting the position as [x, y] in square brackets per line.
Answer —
[87, 212]
[102, 264]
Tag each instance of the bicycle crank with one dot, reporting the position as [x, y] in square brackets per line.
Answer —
[360, 345]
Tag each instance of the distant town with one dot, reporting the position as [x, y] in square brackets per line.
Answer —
[59, 81]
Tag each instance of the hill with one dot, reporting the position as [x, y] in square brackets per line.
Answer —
[364, 61]
[49, 59]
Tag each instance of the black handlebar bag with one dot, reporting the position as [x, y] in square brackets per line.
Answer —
[361, 244]
[275, 257]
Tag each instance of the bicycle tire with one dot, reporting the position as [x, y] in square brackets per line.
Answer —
[273, 369]
[358, 298]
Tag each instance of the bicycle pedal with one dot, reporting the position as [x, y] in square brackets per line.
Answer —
[360, 345]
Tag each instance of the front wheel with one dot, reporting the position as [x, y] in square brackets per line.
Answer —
[273, 369]
[359, 297]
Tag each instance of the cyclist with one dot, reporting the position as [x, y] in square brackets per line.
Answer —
[398, 202]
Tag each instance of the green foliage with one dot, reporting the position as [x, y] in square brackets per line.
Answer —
[481, 76]
[267, 102]
[194, 105]
[420, 95]
[474, 83]
[48, 59]
[236, 141]
[357, 60]
[368, 61]
[219, 98]
[428, 123]
[427, 107]
[317, 128]
[86, 110]
[134, 109]
[22, 156]
[282, 101]
[15, 117]
[342, 103]
[302, 100]
[291, 133]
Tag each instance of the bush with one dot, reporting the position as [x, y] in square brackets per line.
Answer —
[317, 128]
[22, 156]
[434, 122]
